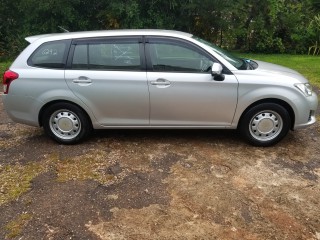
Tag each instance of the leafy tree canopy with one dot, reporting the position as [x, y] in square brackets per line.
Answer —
[274, 26]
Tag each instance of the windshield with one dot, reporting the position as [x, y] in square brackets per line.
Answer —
[236, 62]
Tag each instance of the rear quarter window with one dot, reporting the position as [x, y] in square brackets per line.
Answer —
[50, 55]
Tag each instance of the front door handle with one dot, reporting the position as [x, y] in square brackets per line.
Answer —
[160, 82]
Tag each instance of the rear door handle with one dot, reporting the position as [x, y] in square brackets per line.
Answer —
[82, 80]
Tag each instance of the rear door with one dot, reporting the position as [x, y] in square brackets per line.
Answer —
[182, 89]
[109, 76]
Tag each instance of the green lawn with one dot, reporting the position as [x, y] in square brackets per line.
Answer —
[308, 66]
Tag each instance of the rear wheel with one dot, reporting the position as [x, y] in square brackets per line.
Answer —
[265, 124]
[66, 123]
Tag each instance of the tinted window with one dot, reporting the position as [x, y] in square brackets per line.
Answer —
[50, 55]
[80, 57]
[236, 62]
[107, 56]
[173, 58]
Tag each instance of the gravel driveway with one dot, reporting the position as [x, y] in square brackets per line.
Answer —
[158, 184]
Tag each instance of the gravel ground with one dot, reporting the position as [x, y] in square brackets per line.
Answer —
[158, 184]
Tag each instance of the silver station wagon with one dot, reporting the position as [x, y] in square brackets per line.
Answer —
[72, 83]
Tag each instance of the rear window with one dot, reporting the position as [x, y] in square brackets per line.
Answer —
[50, 55]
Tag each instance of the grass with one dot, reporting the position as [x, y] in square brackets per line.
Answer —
[14, 228]
[90, 166]
[16, 180]
[308, 66]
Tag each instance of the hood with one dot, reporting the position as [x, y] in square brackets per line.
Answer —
[269, 72]
[274, 68]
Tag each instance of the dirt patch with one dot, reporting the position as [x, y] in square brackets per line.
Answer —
[158, 184]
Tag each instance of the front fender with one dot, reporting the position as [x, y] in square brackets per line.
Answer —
[249, 95]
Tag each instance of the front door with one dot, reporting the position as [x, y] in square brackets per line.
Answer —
[182, 89]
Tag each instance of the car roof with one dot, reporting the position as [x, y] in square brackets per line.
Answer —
[104, 33]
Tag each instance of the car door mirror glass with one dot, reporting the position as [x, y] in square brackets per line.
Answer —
[216, 71]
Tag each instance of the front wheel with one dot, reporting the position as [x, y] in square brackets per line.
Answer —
[66, 123]
[265, 124]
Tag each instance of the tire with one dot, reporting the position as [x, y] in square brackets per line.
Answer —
[265, 124]
[66, 123]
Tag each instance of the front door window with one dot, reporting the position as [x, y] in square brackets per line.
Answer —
[170, 57]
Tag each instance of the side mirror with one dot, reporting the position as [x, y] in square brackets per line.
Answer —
[216, 72]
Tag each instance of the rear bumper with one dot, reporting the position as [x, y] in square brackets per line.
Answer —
[21, 109]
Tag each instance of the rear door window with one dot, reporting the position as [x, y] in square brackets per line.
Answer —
[50, 55]
[107, 55]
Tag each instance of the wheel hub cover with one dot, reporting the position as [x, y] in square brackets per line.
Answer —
[65, 124]
[266, 125]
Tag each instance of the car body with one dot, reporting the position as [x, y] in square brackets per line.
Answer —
[71, 83]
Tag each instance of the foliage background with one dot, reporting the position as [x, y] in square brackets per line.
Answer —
[265, 26]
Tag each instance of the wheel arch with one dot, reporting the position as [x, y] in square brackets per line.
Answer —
[40, 116]
[271, 100]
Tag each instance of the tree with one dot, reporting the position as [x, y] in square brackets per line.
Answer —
[248, 25]
[8, 27]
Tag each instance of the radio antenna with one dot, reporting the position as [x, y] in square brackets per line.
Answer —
[63, 29]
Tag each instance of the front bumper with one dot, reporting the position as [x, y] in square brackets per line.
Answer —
[307, 116]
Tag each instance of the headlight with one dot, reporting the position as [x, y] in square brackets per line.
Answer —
[305, 88]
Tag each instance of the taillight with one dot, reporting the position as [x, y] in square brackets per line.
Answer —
[8, 77]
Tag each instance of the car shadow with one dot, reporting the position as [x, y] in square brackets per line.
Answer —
[206, 135]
